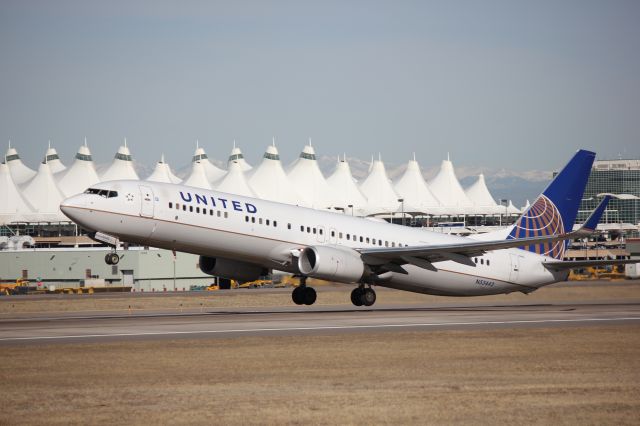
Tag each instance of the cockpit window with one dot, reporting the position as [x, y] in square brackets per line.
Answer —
[102, 192]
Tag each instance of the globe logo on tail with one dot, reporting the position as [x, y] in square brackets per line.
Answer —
[542, 219]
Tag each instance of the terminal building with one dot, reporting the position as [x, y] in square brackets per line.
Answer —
[621, 180]
[38, 243]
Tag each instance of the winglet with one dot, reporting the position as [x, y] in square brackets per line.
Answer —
[594, 218]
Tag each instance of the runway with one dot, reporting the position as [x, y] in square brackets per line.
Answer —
[235, 322]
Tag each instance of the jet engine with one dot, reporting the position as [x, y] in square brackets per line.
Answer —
[332, 263]
[231, 269]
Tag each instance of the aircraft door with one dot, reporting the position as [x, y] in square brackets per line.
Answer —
[515, 267]
[320, 234]
[146, 201]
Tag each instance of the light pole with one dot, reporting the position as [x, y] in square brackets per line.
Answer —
[401, 201]
[504, 203]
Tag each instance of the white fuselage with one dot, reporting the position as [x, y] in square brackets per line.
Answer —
[215, 224]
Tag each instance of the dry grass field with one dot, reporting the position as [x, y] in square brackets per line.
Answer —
[587, 375]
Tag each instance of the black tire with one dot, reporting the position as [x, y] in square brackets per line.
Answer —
[368, 297]
[297, 295]
[356, 296]
[310, 296]
[107, 258]
[114, 258]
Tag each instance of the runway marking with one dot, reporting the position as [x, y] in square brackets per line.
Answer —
[318, 328]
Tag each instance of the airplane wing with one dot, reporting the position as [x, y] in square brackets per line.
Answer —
[392, 259]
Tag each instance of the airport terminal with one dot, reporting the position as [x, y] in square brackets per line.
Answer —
[39, 245]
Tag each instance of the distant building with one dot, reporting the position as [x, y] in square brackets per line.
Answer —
[618, 177]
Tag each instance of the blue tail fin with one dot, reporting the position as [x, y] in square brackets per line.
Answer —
[555, 210]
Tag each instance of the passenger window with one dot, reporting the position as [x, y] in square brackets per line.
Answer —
[210, 212]
[348, 237]
[197, 209]
[333, 233]
[393, 244]
[259, 221]
[482, 261]
[288, 226]
[301, 228]
[170, 205]
[177, 206]
[275, 223]
[487, 262]
[190, 209]
[379, 242]
[367, 240]
[361, 238]
[320, 231]
[253, 220]
[218, 213]
[246, 218]
[184, 207]
[475, 259]
[386, 243]
[340, 235]
[308, 229]
[226, 215]
[267, 222]
[373, 241]
[314, 230]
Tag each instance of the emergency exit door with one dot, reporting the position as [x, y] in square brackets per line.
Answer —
[146, 201]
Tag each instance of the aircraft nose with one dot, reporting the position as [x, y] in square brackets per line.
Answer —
[70, 205]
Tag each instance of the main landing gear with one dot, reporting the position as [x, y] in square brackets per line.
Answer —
[303, 295]
[361, 296]
[111, 258]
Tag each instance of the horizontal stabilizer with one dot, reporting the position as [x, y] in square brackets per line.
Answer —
[572, 264]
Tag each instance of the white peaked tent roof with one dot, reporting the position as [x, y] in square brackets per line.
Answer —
[526, 206]
[197, 177]
[162, 173]
[481, 198]
[413, 189]
[81, 175]
[237, 156]
[309, 182]
[122, 166]
[381, 198]
[53, 160]
[447, 189]
[269, 181]
[19, 172]
[345, 190]
[235, 181]
[212, 172]
[12, 206]
[511, 209]
[45, 197]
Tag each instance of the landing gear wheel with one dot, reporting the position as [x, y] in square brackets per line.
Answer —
[368, 297]
[297, 295]
[310, 296]
[112, 259]
[356, 296]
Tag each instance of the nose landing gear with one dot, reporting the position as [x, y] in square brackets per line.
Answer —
[303, 295]
[361, 296]
[111, 258]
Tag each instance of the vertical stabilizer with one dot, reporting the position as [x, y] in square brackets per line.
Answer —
[555, 210]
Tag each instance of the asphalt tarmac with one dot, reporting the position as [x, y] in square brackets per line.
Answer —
[232, 322]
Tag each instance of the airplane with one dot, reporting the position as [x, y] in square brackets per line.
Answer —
[244, 238]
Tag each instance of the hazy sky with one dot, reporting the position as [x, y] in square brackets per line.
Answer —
[496, 83]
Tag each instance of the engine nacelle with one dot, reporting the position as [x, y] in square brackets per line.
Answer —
[331, 263]
[231, 269]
